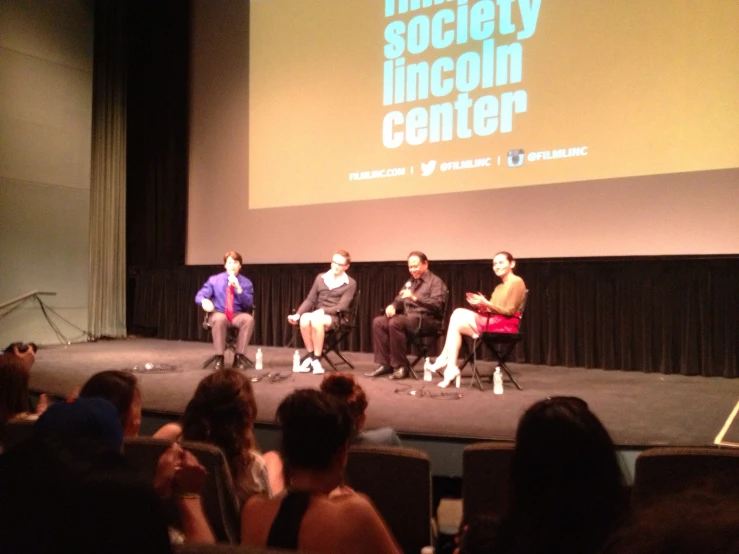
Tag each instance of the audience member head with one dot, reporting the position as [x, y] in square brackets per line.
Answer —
[222, 412]
[345, 388]
[92, 419]
[315, 431]
[24, 351]
[14, 376]
[121, 389]
[65, 494]
[566, 480]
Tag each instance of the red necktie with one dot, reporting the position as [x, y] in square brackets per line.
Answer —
[230, 303]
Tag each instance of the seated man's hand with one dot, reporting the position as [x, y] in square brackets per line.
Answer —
[390, 311]
[406, 293]
[293, 318]
[207, 305]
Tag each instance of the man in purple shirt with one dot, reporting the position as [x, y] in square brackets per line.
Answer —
[229, 298]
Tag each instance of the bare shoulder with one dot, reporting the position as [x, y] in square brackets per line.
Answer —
[256, 519]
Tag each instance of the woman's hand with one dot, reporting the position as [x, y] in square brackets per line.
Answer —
[476, 299]
[189, 476]
[165, 471]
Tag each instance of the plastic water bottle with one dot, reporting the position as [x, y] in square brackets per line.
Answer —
[427, 372]
[296, 361]
[259, 364]
[497, 381]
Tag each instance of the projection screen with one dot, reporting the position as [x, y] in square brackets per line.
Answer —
[463, 127]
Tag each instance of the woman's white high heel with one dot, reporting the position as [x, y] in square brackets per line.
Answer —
[452, 373]
[438, 364]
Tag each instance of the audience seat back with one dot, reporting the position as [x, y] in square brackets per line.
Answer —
[666, 470]
[220, 501]
[486, 484]
[398, 481]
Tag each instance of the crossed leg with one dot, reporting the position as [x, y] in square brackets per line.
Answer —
[461, 323]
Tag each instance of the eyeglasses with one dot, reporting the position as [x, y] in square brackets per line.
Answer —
[338, 263]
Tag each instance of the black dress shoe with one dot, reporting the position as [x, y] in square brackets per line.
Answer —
[380, 371]
[219, 363]
[240, 361]
[400, 373]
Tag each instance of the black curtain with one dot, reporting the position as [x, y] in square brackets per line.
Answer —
[661, 314]
[668, 315]
[158, 107]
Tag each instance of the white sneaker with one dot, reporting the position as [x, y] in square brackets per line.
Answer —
[305, 366]
[317, 367]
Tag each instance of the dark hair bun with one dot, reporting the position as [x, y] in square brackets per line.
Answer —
[338, 384]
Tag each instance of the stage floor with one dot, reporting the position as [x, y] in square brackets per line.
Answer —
[639, 409]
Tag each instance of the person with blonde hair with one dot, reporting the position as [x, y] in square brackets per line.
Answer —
[331, 294]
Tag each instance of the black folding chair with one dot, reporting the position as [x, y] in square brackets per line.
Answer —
[422, 339]
[232, 334]
[501, 344]
[335, 335]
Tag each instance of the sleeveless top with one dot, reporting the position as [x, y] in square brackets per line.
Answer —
[285, 528]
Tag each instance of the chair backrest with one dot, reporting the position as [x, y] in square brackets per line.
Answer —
[349, 317]
[15, 432]
[220, 501]
[486, 482]
[347, 323]
[398, 481]
[666, 470]
[523, 304]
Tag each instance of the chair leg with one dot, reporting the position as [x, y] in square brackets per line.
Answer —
[472, 356]
[210, 360]
[331, 364]
[343, 361]
[508, 373]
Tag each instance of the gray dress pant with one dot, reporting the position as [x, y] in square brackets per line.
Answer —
[219, 325]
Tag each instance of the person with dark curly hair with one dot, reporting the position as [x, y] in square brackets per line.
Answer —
[222, 412]
[344, 388]
[121, 389]
[316, 513]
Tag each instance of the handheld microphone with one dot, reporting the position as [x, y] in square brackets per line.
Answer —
[406, 287]
[231, 278]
